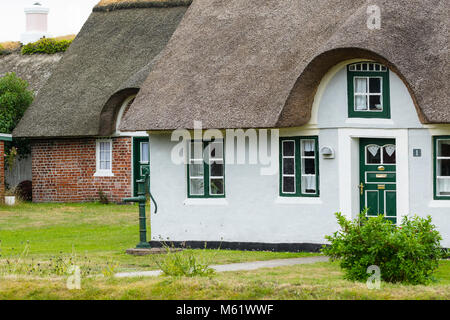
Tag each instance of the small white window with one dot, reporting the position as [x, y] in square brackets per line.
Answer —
[144, 152]
[104, 158]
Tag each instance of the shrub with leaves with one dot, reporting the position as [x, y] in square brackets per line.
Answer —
[15, 98]
[46, 46]
[409, 253]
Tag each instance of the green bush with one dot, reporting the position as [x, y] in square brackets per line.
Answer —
[46, 46]
[409, 253]
[15, 98]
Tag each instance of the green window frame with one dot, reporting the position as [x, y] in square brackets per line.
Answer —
[206, 169]
[299, 166]
[368, 90]
[441, 171]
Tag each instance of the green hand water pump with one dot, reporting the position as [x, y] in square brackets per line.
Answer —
[141, 199]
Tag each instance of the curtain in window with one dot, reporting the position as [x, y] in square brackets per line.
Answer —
[309, 184]
[443, 186]
[308, 147]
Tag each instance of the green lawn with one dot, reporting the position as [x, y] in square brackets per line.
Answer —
[96, 236]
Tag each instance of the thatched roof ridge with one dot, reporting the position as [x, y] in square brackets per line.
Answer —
[250, 63]
[109, 5]
[112, 53]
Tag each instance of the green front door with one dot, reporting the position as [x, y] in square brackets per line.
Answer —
[378, 179]
[141, 159]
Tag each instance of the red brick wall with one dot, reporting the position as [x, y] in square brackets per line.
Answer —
[63, 171]
[2, 171]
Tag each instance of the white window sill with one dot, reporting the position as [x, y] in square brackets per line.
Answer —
[298, 200]
[205, 202]
[439, 204]
[104, 174]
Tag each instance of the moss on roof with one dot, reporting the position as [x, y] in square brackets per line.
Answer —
[109, 5]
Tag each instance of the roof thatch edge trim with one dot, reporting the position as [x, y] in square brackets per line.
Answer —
[140, 5]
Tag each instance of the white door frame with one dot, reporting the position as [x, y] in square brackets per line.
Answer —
[348, 157]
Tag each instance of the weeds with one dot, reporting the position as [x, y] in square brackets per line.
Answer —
[183, 263]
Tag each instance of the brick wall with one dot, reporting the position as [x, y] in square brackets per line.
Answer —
[63, 171]
[2, 171]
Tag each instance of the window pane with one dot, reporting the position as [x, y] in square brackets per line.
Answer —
[443, 148]
[196, 187]
[216, 149]
[288, 184]
[217, 169]
[308, 166]
[309, 184]
[288, 148]
[144, 152]
[360, 102]
[373, 154]
[288, 166]
[443, 168]
[443, 187]
[375, 85]
[196, 151]
[105, 146]
[308, 148]
[360, 85]
[216, 186]
[389, 154]
[196, 169]
[375, 103]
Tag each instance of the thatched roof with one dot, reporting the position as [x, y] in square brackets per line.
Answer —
[252, 63]
[110, 57]
[35, 69]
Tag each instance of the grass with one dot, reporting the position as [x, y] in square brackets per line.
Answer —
[95, 233]
[9, 46]
[315, 281]
[100, 234]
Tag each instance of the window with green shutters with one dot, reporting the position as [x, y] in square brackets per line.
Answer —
[206, 169]
[441, 167]
[368, 90]
[299, 167]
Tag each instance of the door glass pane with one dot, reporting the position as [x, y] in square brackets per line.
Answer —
[373, 154]
[375, 85]
[196, 187]
[443, 186]
[217, 169]
[389, 154]
[288, 148]
[288, 165]
[288, 184]
[144, 152]
[375, 103]
[309, 184]
[443, 148]
[196, 169]
[360, 102]
[216, 186]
